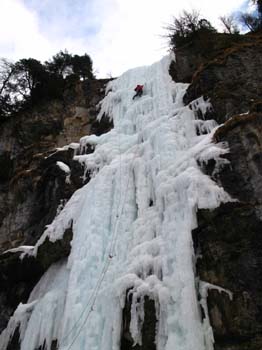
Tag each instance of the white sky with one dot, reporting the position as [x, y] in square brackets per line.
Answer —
[117, 34]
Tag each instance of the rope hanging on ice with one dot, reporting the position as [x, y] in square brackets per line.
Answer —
[107, 262]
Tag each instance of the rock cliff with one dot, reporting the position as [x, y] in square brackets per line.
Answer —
[228, 239]
[33, 187]
[35, 183]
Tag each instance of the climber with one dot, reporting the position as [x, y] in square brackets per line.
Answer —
[138, 90]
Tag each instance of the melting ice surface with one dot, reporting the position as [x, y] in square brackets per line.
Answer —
[132, 226]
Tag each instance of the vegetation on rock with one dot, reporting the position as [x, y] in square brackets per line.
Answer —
[186, 27]
[28, 82]
[253, 21]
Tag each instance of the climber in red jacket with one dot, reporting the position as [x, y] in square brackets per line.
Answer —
[138, 90]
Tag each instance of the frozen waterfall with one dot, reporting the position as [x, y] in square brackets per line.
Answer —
[132, 226]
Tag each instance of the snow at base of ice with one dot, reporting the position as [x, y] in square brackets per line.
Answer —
[132, 225]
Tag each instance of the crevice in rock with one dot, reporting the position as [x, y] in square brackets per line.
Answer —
[148, 327]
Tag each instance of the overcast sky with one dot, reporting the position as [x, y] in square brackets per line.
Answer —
[117, 34]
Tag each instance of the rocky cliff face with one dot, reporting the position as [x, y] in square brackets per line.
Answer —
[35, 183]
[228, 238]
[33, 187]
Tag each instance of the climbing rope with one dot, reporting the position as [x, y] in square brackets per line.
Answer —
[93, 297]
[110, 250]
[118, 214]
[84, 310]
[106, 265]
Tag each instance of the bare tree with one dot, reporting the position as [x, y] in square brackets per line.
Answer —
[259, 6]
[253, 21]
[229, 24]
[250, 22]
[185, 26]
[7, 69]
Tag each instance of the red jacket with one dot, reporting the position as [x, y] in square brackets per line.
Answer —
[139, 88]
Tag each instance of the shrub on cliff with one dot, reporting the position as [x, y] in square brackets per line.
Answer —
[28, 82]
[64, 64]
[253, 21]
[185, 27]
[230, 25]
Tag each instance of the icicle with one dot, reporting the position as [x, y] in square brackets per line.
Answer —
[203, 291]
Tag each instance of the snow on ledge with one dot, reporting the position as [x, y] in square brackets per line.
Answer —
[72, 145]
[63, 167]
[24, 249]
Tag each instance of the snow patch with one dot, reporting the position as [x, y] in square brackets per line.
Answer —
[24, 249]
[64, 167]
